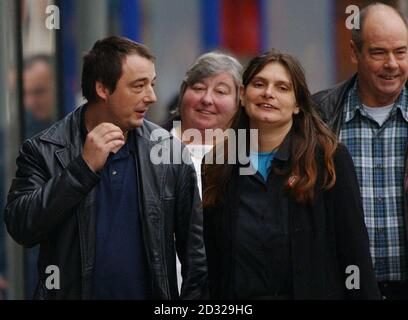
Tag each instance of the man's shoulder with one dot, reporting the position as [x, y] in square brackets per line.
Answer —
[150, 130]
[61, 133]
[163, 150]
[150, 126]
[157, 134]
[329, 102]
[60, 129]
[335, 93]
[159, 137]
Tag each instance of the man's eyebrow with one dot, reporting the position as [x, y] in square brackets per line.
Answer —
[384, 49]
[144, 79]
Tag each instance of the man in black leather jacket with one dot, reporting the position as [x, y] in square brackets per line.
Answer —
[107, 218]
[369, 113]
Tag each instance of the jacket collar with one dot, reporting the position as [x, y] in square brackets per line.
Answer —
[283, 152]
[331, 103]
[63, 134]
[353, 103]
[67, 130]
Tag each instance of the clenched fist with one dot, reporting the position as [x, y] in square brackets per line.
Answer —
[102, 140]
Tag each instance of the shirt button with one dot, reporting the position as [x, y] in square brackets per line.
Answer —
[380, 199]
[114, 172]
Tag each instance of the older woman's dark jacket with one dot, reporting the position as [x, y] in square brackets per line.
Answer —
[325, 238]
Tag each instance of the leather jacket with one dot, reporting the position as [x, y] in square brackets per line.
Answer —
[52, 202]
[330, 103]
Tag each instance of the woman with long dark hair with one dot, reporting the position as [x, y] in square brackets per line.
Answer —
[295, 228]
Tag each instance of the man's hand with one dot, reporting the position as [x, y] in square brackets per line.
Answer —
[102, 140]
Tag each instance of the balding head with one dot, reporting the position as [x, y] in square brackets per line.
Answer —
[382, 57]
[379, 13]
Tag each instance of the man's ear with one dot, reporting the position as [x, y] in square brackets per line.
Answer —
[102, 91]
[354, 52]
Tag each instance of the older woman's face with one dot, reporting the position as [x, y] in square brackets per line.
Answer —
[209, 103]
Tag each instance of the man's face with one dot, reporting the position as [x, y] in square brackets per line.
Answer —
[128, 104]
[383, 61]
[39, 94]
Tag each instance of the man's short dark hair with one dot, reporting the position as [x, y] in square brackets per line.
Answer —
[104, 63]
[356, 33]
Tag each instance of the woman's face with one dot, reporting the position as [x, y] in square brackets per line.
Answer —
[270, 97]
[210, 103]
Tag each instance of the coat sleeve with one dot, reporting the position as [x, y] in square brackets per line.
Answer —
[350, 231]
[37, 203]
[189, 236]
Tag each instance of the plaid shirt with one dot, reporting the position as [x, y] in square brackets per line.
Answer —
[379, 157]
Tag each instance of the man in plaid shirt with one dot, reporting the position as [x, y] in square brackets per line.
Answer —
[369, 113]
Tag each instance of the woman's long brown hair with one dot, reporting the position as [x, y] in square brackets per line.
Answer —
[310, 138]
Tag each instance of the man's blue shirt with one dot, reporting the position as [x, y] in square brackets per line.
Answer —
[120, 261]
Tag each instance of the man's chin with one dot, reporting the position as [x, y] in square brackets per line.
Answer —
[391, 86]
[136, 124]
[391, 92]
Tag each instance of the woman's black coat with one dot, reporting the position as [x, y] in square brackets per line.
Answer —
[325, 238]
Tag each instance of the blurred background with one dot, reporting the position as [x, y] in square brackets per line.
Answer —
[42, 43]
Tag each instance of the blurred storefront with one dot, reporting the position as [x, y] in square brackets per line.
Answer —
[42, 43]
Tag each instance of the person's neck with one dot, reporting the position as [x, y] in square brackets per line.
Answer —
[371, 100]
[194, 139]
[270, 137]
[95, 114]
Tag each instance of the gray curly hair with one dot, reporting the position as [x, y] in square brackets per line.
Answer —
[208, 65]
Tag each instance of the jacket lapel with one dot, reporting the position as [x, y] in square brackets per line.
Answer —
[151, 178]
[70, 142]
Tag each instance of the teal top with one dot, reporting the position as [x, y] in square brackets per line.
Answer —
[262, 162]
